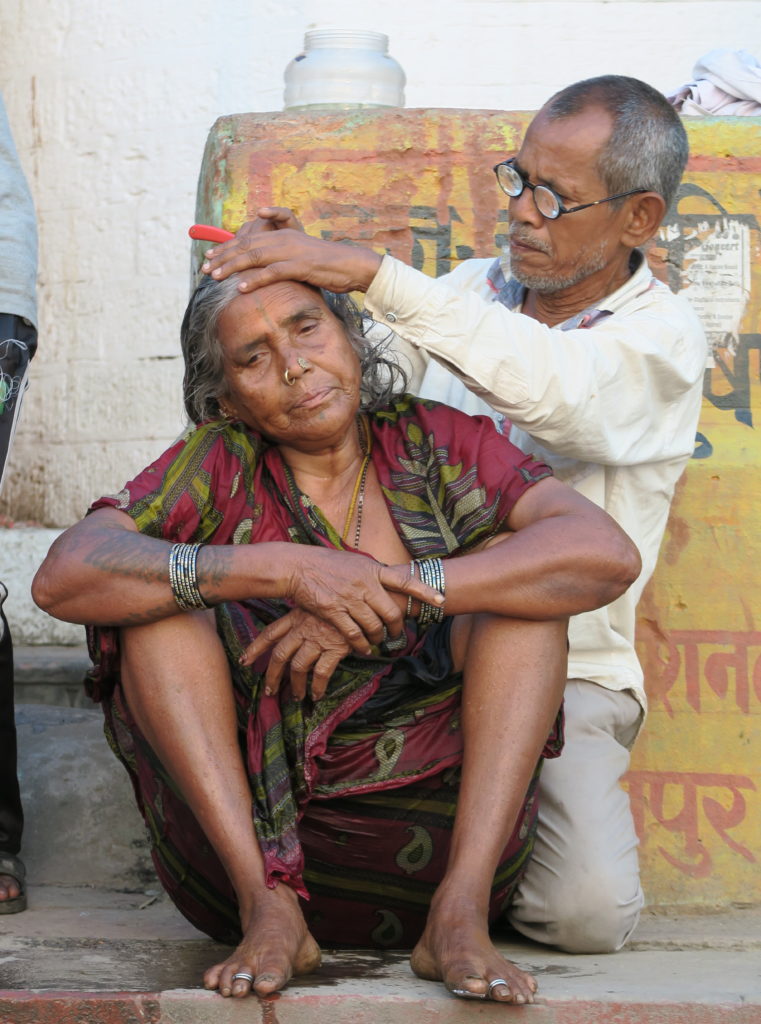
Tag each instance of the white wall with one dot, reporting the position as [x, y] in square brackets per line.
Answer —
[111, 104]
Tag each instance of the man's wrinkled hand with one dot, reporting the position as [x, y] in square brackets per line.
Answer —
[265, 251]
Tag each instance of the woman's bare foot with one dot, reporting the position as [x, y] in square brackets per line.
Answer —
[455, 948]
[276, 945]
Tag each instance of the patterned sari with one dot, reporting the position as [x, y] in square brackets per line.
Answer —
[353, 796]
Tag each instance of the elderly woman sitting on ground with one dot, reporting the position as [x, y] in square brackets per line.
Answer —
[329, 635]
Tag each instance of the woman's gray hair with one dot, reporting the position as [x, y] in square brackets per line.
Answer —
[204, 385]
[648, 145]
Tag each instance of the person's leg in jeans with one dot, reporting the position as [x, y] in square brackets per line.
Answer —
[18, 341]
[581, 892]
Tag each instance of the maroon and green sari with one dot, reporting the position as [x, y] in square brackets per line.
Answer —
[353, 797]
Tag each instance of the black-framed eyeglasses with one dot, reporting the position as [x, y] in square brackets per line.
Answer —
[547, 202]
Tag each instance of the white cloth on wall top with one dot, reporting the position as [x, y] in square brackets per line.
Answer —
[726, 82]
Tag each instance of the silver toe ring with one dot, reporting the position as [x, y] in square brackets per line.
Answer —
[463, 993]
[493, 985]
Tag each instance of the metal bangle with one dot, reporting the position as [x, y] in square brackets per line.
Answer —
[183, 577]
[408, 613]
[431, 572]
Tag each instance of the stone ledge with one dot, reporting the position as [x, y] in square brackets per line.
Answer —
[182, 1007]
[53, 663]
[22, 550]
[51, 674]
[81, 955]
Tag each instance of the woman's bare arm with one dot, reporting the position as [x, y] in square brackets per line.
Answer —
[102, 571]
[565, 556]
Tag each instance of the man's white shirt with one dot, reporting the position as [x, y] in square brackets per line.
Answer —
[612, 406]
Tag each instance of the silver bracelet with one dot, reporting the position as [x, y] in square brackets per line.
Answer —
[431, 572]
[183, 578]
[408, 613]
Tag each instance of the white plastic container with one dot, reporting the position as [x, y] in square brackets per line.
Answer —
[341, 69]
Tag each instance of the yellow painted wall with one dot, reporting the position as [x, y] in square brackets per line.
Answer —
[419, 184]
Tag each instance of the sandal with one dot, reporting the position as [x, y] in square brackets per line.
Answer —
[13, 866]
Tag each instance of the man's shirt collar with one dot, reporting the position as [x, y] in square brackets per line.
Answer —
[510, 293]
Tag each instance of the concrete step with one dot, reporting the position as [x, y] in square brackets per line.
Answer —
[81, 825]
[51, 674]
[101, 943]
[90, 955]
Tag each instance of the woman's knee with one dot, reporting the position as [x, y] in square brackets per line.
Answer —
[174, 641]
[540, 645]
[183, 628]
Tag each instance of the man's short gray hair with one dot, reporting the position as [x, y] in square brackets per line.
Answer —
[648, 144]
[204, 385]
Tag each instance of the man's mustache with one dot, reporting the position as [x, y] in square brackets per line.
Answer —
[517, 233]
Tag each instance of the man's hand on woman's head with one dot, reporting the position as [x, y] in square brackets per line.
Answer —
[274, 247]
[272, 218]
[268, 218]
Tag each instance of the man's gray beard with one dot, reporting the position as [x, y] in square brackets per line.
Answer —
[591, 260]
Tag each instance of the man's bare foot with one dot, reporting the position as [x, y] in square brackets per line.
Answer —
[276, 945]
[455, 948]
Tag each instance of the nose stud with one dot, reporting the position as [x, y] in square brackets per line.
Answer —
[304, 364]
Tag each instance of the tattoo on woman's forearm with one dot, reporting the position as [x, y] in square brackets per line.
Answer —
[130, 554]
